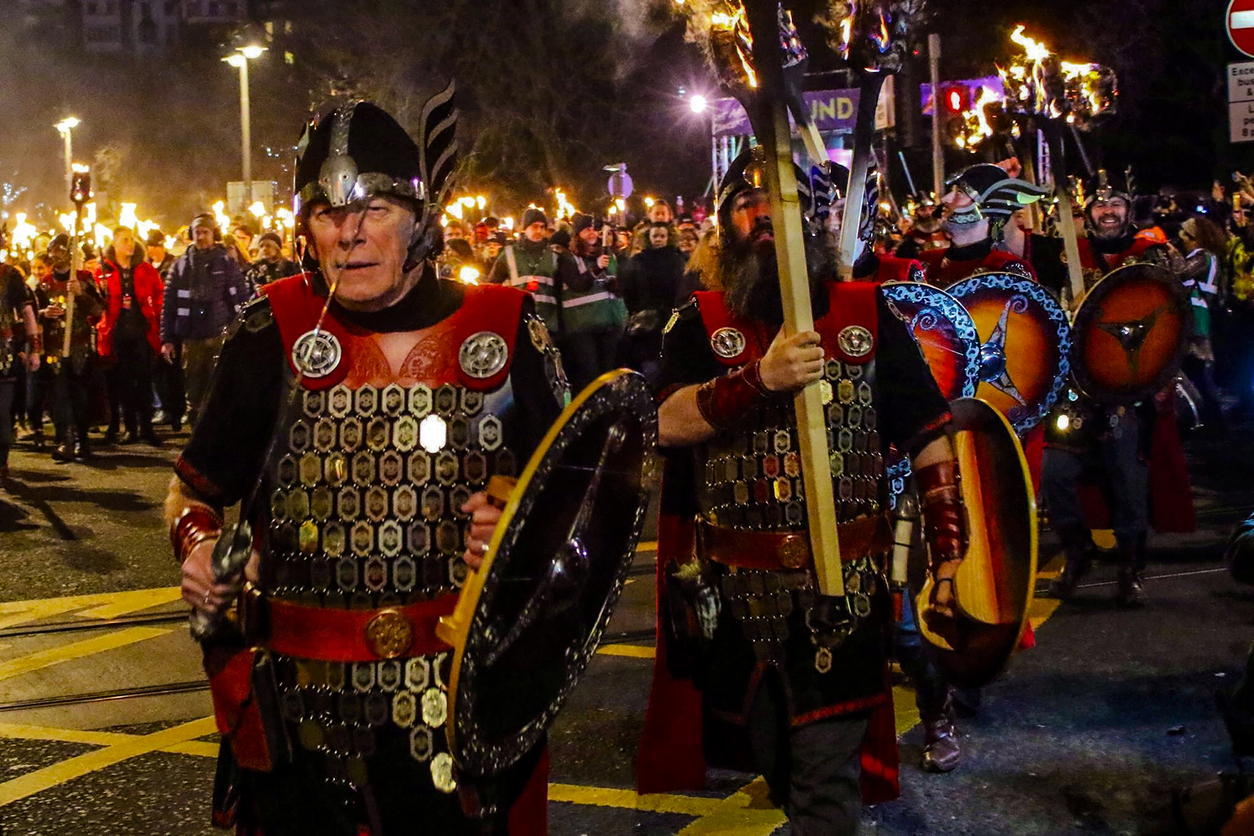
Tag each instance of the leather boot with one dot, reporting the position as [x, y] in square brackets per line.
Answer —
[1132, 560]
[64, 452]
[1078, 547]
[942, 745]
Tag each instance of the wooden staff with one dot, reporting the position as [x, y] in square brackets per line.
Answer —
[774, 135]
[79, 196]
[1066, 221]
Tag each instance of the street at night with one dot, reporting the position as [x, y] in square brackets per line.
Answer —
[1089, 732]
[626, 417]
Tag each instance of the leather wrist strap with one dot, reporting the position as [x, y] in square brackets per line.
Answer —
[193, 526]
[945, 522]
[35, 343]
[723, 401]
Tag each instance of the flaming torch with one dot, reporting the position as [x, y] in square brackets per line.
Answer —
[873, 36]
[1053, 94]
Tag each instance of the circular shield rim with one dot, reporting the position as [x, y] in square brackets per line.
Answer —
[479, 757]
[949, 307]
[1089, 309]
[977, 414]
[1003, 280]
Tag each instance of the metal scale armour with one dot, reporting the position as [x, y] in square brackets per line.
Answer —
[751, 477]
[367, 484]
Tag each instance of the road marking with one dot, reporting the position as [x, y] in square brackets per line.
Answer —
[59, 773]
[77, 650]
[629, 800]
[646, 546]
[103, 605]
[633, 651]
[747, 812]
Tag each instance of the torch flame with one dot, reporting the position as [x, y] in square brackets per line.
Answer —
[881, 38]
[975, 124]
[1036, 50]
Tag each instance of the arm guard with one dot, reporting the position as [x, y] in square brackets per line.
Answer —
[945, 523]
[725, 400]
[196, 524]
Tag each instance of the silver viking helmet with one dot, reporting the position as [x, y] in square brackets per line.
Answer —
[358, 151]
[995, 193]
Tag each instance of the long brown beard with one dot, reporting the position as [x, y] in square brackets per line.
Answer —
[750, 276]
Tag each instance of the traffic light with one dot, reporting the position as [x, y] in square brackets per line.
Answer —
[955, 102]
[956, 99]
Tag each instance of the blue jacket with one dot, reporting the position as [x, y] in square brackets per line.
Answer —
[203, 293]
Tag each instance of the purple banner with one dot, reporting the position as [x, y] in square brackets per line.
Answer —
[834, 111]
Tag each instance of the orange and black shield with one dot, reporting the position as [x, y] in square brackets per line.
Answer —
[1024, 344]
[995, 584]
[1130, 334]
[945, 333]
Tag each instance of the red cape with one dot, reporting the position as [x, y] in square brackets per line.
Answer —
[671, 756]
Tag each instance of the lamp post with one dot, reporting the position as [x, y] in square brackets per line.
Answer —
[66, 128]
[240, 59]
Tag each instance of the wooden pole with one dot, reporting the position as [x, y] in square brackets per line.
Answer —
[775, 137]
[1066, 221]
[938, 151]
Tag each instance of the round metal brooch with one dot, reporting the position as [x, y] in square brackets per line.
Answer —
[316, 353]
[727, 343]
[855, 341]
[483, 354]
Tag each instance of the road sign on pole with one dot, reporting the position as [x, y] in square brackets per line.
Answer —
[1240, 25]
[1241, 101]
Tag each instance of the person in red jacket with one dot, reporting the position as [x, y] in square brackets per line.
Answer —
[979, 202]
[129, 335]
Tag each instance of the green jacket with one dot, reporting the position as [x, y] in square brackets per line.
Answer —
[596, 308]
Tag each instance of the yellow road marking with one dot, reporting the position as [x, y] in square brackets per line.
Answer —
[646, 546]
[904, 709]
[77, 650]
[746, 812]
[101, 605]
[628, 800]
[633, 651]
[59, 773]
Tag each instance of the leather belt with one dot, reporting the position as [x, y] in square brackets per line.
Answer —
[777, 550]
[336, 635]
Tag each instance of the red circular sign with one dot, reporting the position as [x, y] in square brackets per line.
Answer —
[1240, 23]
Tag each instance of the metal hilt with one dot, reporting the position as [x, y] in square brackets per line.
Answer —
[230, 556]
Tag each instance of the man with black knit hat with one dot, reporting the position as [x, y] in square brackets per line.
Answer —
[544, 271]
[358, 411]
[203, 292]
[270, 265]
[979, 202]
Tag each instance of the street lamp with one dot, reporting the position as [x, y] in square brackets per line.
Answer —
[698, 104]
[66, 127]
[240, 58]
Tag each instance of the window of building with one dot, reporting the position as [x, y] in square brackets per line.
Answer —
[91, 8]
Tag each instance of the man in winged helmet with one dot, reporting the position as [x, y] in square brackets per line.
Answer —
[979, 203]
[775, 677]
[379, 401]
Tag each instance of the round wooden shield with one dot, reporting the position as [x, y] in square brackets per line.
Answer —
[1130, 334]
[529, 620]
[995, 584]
[945, 332]
[1025, 344]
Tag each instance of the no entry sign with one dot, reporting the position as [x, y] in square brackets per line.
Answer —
[1240, 24]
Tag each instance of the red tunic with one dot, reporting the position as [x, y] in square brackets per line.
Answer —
[943, 271]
